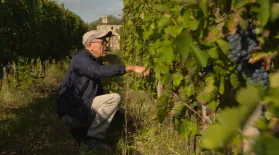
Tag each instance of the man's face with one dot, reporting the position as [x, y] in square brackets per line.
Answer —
[99, 47]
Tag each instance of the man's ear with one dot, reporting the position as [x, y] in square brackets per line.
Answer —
[89, 45]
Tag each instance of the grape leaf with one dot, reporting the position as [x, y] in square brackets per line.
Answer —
[277, 36]
[263, 57]
[208, 93]
[230, 24]
[173, 31]
[224, 46]
[242, 22]
[272, 96]
[267, 145]
[272, 93]
[166, 52]
[167, 79]
[156, 44]
[177, 109]
[182, 44]
[186, 2]
[222, 85]
[201, 56]
[188, 129]
[234, 81]
[213, 53]
[185, 18]
[190, 89]
[204, 6]
[147, 33]
[160, 67]
[193, 25]
[212, 106]
[191, 65]
[161, 8]
[244, 94]
[274, 11]
[177, 78]
[163, 22]
[274, 82]
[213, 34]
[264, 12]
[231, 120]
[240, 3]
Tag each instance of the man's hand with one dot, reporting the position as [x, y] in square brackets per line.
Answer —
[139, 70]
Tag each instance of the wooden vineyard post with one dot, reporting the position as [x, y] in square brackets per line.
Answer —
[160, 89]
[250, 132]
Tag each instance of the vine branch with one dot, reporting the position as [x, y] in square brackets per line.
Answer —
[188, 106]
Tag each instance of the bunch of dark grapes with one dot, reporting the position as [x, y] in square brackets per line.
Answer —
[205, 70]
[261, 76]
[241, 45]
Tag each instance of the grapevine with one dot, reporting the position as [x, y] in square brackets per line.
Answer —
[242, 44]
[260, 75]
[27, 37]
[26, 31]
[179, 41]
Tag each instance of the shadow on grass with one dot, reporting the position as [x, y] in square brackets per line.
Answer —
[35, 129]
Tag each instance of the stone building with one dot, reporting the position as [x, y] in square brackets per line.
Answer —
[114, 28]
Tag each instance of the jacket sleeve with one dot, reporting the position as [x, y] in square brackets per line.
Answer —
[86, 67]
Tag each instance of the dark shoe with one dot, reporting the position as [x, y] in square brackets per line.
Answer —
[93, 143]
[79, 134]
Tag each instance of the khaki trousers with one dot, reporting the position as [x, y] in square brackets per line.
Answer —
[105, 107]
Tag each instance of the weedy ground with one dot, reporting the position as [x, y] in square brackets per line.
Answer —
[29, 123]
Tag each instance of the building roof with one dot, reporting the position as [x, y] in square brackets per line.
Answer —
[108, 24]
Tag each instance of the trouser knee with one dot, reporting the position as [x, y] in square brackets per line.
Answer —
[116, 97]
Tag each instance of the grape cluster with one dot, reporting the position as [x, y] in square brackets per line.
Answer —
[241, 45]
[261, 76]
[207, 69]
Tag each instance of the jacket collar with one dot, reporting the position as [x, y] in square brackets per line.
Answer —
[90, 55]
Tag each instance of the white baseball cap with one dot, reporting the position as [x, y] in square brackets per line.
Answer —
[95, 34]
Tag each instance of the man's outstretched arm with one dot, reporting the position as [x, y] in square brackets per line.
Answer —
[137, 69]
[85, 67]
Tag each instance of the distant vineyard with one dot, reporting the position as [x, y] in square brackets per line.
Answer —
[33, 32]
[34, 29]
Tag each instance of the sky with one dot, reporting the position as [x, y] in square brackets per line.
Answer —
[91, 10]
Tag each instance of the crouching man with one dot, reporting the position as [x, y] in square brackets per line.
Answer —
[81, 101]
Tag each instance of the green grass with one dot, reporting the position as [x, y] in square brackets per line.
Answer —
[30, 125]
[151, 137]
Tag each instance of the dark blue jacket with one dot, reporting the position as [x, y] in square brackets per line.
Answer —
[82, 83]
